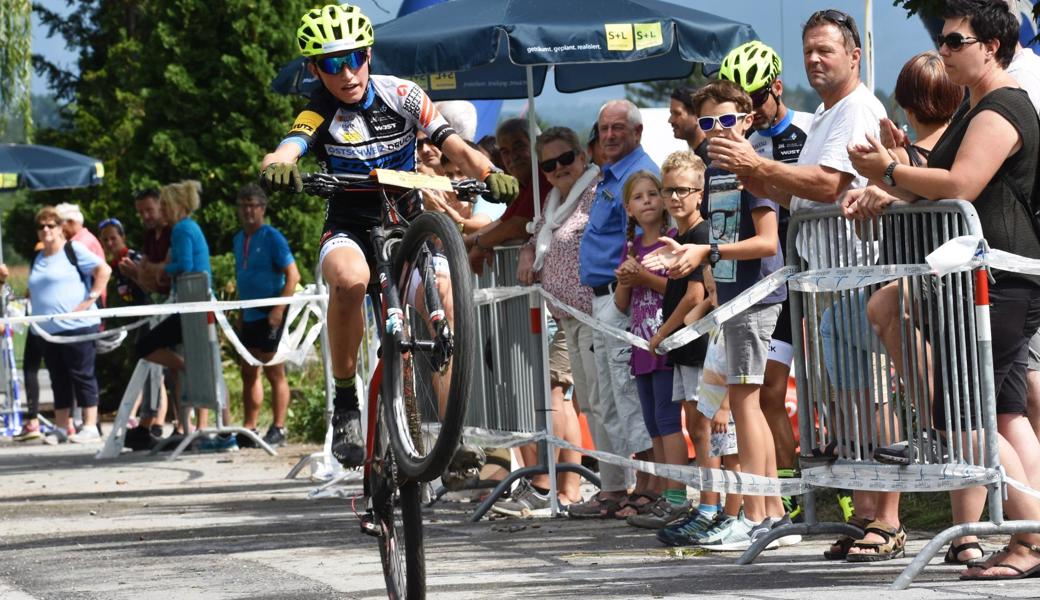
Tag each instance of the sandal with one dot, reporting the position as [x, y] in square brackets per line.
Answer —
[832, 452]
[845, 542]
[632, 501]
[894, 545]
[596, 507]
[1033, 571]
[954, 552]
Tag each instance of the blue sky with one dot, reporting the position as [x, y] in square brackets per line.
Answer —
[778, 22]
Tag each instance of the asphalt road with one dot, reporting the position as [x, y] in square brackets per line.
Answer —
[231, 527]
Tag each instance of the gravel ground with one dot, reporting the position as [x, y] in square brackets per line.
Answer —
[230, 526]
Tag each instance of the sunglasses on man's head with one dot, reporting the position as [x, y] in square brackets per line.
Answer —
[727, 121]
[549, 165]
[841, 20]
[334, 65]
[954, 41]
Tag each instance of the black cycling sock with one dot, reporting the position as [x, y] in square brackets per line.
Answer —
[346, 397]
[540, 490]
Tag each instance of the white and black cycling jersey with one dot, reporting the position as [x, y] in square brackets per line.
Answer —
[377, 133]
[783, 142]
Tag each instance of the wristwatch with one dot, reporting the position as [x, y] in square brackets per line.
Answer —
[889, 170]
[713, 254]
[94, 295]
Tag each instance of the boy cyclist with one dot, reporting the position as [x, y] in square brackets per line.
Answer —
[355, 123]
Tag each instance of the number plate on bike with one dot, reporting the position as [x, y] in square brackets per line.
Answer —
[408, 180]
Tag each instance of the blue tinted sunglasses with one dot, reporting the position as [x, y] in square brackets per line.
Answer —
[111, 221]
[334, 65]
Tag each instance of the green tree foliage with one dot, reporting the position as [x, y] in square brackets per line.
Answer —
[934, 8]
[177, 90]
[15, 63]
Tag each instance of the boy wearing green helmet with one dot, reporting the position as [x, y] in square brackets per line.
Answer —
[779, 134]
[355, 123]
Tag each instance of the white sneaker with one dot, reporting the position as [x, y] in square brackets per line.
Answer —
[89, 435]
[739, 536]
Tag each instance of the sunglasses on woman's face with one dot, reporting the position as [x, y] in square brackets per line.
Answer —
[549, 165]
[335, 64]
[42, 226]
[954, 41]
[726, 121]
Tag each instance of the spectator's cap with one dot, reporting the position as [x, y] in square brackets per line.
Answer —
[594, 134]
[69, 212]
[111, 221]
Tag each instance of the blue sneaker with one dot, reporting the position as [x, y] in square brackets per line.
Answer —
[688, 530]
[219, 443]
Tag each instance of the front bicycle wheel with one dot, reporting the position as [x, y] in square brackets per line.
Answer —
[435, 364]
[397, 511]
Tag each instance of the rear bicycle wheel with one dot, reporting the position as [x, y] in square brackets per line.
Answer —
[425, 412]
[397, 510]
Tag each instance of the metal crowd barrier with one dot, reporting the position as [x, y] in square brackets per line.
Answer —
[511, 391]
[851, 397]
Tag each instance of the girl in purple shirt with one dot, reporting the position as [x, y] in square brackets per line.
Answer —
[640, 292]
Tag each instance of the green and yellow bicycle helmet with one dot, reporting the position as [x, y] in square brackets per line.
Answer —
[752, 66]
[334, 28]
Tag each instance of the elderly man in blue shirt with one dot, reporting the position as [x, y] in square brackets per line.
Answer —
[265, 268]
[615, 420]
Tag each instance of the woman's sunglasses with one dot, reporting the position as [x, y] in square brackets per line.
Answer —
[334, 65]
[42, 226]
[549, 165]
[727, 121]
[954, 41]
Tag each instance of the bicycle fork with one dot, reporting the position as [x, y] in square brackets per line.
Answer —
[442, 343]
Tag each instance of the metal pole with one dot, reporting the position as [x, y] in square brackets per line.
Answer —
[868, 43]
[532, 128]
[985, 340]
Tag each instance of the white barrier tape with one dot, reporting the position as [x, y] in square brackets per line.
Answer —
[178, 308]
[1025, 489]
[699, 478]
[972, 251]
[106, 335]
[493, 438]
[893, 478]
[610, 330]
[851, 278]
[499, 294]
[745, 300]
[295, 344]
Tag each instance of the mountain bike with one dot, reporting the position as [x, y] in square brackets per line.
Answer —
[420, 388]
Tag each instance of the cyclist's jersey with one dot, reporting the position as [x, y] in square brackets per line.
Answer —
[379, 132]
[783, 142]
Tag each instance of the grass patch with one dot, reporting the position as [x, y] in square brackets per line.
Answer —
[928, 511]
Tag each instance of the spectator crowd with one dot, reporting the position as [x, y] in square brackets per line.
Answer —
[651, 248]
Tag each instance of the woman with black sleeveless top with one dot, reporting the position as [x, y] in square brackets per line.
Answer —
[989, 157]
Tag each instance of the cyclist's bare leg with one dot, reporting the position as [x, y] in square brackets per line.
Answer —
[347, 275]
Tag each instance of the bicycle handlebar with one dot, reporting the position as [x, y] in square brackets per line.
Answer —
[327, 184]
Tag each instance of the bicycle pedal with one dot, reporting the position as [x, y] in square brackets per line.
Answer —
[369, 526]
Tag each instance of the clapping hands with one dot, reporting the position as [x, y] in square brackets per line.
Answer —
[678, 259]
